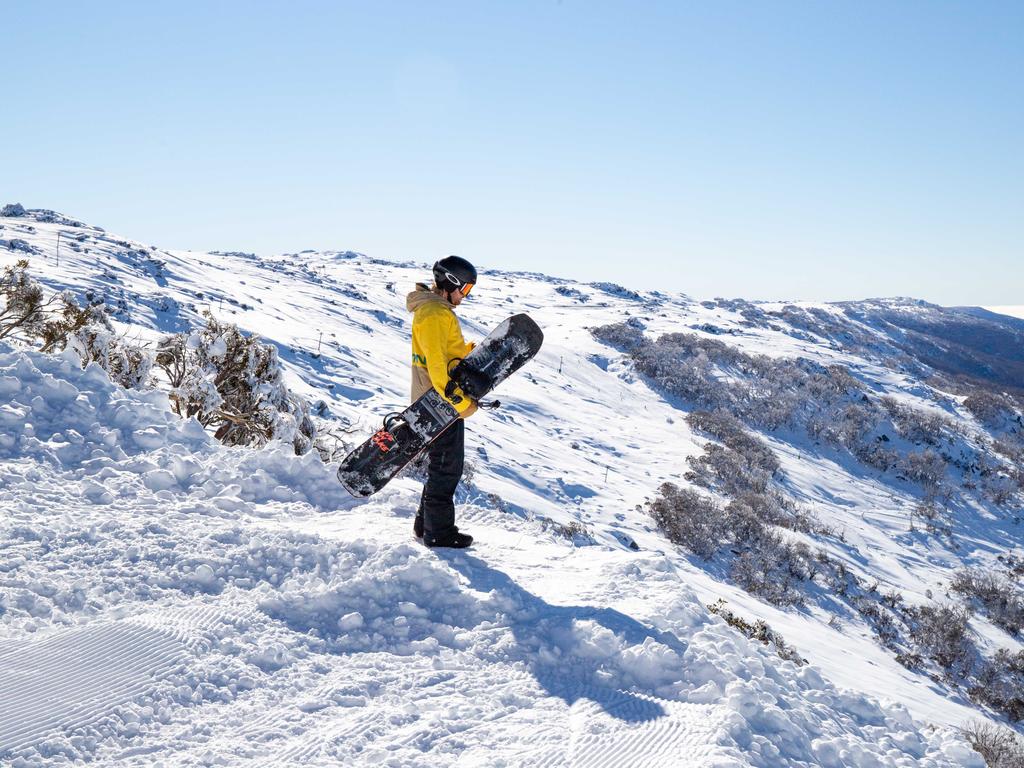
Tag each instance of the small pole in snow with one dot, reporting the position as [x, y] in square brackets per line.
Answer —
[606, 473]
[318, 342]
[58, 248]
[559, 364]
[221, 307]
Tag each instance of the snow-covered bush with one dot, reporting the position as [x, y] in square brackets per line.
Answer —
[572, 293]
[998, 596]
[87, 332]
[851, 426]
[762, 391]
[744, 522]
[720, 424]
[743, 469]
[1001, 488]
[771, 508]
[925, 467]
[918, 425]
[723, 469]
[688, 518]
[684, 371]
[627, 336]
[13, 210]
[1010, 447]
[766, 565]
[732, 388]
[233, 384]
[615, 289]
[24, 307]
[17, 244]
[28, 314]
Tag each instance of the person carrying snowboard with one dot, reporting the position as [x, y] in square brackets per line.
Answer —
[437, 343]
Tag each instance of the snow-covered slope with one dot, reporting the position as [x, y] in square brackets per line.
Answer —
[163, 598]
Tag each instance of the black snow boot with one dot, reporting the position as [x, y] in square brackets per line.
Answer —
[454, 540]
[417, 526]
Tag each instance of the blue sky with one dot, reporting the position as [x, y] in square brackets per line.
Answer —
[766, 150]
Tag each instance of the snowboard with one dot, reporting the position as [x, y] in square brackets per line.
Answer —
[404, 435]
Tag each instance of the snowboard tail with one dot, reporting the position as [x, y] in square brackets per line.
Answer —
[369, 467]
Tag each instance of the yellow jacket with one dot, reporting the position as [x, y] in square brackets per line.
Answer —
[436, 341]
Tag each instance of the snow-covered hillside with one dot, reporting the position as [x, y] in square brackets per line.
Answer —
[166, 599]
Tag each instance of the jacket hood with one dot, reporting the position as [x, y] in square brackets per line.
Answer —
[424, 294]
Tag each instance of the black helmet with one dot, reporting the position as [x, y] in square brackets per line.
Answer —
[453, 273]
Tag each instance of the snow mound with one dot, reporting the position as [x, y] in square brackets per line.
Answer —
[166, 599]
[112, 442]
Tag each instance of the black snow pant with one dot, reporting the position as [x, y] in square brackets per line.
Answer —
[446, 457]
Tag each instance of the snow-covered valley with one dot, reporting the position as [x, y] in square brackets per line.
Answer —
[167, 600]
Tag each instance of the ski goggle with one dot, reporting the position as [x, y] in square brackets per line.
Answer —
[466, 288]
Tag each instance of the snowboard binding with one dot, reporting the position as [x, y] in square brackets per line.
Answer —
[473, 383]
[387, 438]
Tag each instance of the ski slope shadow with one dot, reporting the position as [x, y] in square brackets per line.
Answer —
[547, 621]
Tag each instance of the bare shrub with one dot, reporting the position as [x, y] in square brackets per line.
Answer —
[880, 620]
[993, 409]
[1000, 684]
[1001, 747]
[691, 378]
[997, 594]
[1001, 489]
[575, 531]
[763, 391]
[770, 507]
[733, 434]
[332, 442]
[743, 464]
[689, 519]
[758, 630]
[774, 568]
[852, 424]
[627, 336]
[1010, 447]
[941, 632]
[917, 424]
[724, 469]
[743, 521]
[925, 467]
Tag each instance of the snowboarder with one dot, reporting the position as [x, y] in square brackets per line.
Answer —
[437, 343]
